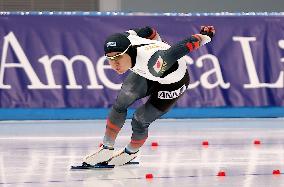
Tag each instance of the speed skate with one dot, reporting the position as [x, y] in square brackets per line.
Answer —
[119, 158]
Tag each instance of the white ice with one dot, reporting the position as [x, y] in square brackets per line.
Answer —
[40, 153]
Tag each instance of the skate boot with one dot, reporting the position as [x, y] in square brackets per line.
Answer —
[122, 157]
[103, 154]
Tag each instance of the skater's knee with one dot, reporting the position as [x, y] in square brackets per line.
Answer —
[139, 127]
[147, 113]
[143, 117]
[124, 100]
[118, 108]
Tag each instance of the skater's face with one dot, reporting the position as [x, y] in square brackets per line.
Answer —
[119, 61]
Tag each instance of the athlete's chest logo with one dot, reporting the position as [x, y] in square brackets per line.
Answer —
[160, 65]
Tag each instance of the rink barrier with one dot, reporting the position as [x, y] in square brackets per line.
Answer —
[180, 113]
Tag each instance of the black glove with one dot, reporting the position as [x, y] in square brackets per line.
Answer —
[208, 30]
[145, 32]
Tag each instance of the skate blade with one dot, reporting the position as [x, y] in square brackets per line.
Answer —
[103, 165]
[132, 163]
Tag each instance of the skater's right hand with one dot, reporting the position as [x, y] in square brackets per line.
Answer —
[208, 30]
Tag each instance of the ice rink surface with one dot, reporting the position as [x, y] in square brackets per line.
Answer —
[40, 153]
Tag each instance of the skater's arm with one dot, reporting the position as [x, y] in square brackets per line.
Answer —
[187, 45]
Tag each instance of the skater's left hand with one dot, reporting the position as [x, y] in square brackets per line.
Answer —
[208, 30]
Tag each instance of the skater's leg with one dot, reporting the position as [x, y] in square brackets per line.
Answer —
[141, 120]
[152, 110]
[134, 88]
[130, 92]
